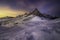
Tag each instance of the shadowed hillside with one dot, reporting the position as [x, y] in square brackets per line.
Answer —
[30, 26]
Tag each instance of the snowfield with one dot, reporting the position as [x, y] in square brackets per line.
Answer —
[35, 28]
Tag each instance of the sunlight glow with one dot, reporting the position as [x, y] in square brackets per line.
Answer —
[7, 11]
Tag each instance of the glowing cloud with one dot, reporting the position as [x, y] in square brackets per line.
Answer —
[7, 11]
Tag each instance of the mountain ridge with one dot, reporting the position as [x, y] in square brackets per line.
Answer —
[35, 12]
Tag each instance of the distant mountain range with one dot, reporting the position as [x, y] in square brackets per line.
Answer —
[30, 26]
[37, 13]
[34, 15]
[34, 12]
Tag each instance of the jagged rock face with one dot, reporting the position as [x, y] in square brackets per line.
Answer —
[36, 12]
[31, 27]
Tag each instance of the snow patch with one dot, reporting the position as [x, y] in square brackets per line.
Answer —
[36, 18]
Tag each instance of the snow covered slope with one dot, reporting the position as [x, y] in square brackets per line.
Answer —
[32, 30]
[30, 27]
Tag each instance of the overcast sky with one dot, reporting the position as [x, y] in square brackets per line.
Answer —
[44, 6]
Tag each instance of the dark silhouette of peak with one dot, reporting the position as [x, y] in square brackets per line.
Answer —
[36, 10]
[37, 13]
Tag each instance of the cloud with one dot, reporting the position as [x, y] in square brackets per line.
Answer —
[7, 11]
[28, 5]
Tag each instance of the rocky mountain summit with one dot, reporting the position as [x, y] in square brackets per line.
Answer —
[34, 12]
[37, 13]
[30, 26]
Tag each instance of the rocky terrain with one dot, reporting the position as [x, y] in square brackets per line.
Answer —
[32, 26]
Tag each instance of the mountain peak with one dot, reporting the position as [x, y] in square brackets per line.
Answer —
[36, 9]
[36, 12]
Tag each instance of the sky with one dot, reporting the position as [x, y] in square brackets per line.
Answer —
[17, 7]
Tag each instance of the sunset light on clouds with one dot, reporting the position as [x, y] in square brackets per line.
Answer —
[7, 11]
[17, 7]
